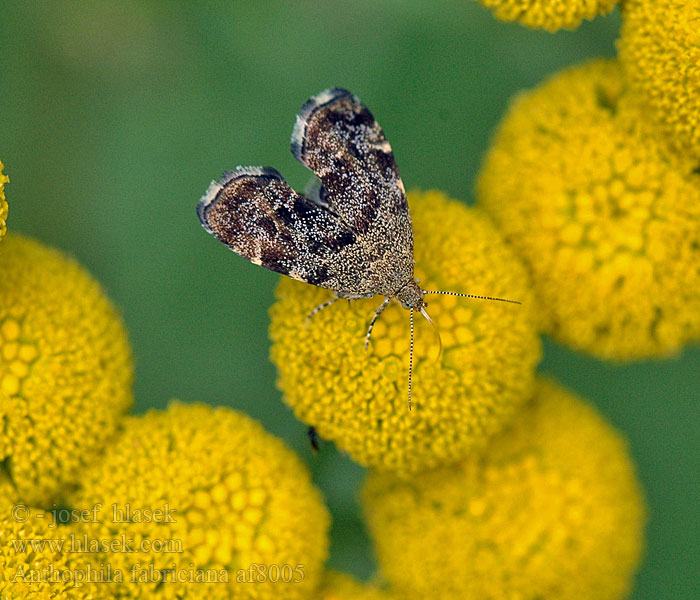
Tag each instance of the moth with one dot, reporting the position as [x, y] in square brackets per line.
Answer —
[350, 232]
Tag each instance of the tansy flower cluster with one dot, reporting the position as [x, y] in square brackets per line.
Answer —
[605, 216]
[660, 51]
[358, 398]
[237, 497]
[496, 484]
[65, 369]
[551, 509]
[593, 179]
[551, 15]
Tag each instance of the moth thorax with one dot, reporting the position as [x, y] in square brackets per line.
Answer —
[411, 296]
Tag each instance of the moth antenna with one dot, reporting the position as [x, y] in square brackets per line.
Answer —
[378, 312]
[410, 364]
[435, 329]
[473, 296]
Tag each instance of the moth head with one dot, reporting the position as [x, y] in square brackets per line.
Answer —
[411, 296]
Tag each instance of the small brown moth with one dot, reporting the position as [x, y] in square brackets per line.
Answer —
[352, 231]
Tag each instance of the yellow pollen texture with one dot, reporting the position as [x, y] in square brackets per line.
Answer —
[359, 399]
[552, 509]
[234, 503]
[551, 15]
[660, 53]
[606, 219]
[65, 369]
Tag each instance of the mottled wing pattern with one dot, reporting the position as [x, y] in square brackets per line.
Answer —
[255, 212]
[352, 234]
[336, 136]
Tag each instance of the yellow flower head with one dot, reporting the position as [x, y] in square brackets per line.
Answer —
[339, 586]
[607, 221]
[660, 52]
[230, 504]
[358, 398]
[32, 564]
[3, 203]
[551, 15]
[552, 509]
[65, 368]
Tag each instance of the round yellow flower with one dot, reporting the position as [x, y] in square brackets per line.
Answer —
[229, 504]
[607, 221]
[551, 15]
[37, 560]
[339, 586]
[552, 509]
[660, 52]
[3, 203]
[358, 398]
[65, 368]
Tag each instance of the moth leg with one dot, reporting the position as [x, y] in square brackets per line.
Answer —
[374, 319]
[320, 307]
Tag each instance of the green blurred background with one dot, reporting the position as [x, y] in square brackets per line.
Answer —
[114, 117]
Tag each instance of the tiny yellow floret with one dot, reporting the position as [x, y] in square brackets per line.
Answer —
[3, 202]
[226, 509]
[65, 369]
[359, 399]
[660, 52]
[340, 586]
[551, 15]
[552, 509]
[606, 218]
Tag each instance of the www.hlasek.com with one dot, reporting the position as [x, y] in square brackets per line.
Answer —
[149, 573]
[83, 544]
